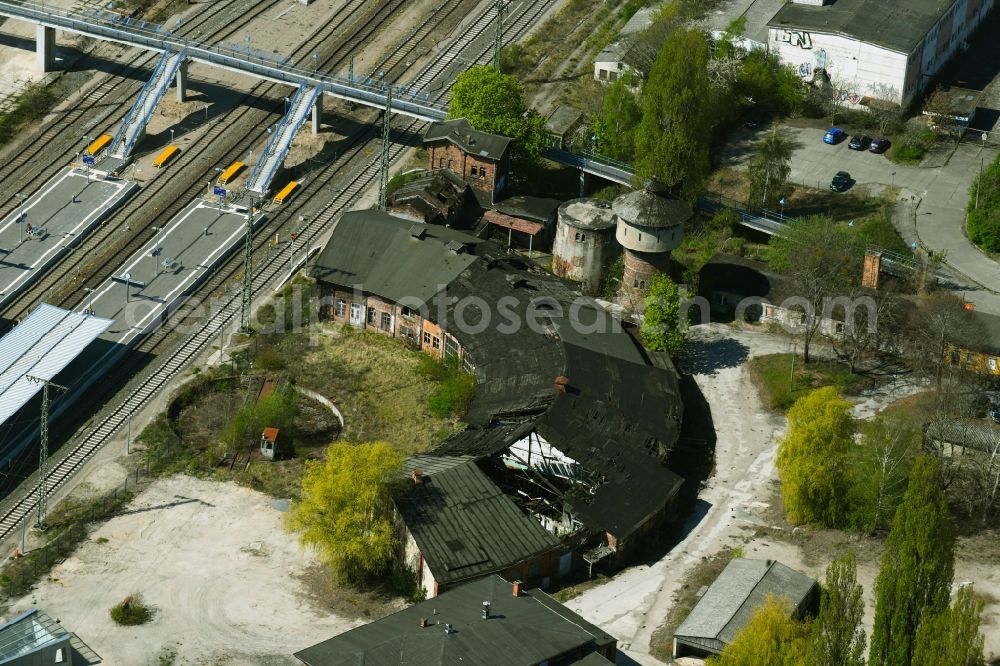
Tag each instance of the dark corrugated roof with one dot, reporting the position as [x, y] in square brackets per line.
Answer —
[522, 631]
[536, 209]
[619, 420]
[898, 25]
[465, 526]
[458, 131]
[379, 253]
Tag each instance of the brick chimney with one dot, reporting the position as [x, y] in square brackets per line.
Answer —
[417, 476]
[423, 623]
[871, 270]
[515, 588]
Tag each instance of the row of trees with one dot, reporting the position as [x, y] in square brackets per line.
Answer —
[691, 89]
[914, 623]
[841, 473]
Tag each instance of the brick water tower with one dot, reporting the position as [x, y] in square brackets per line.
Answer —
[650, 226]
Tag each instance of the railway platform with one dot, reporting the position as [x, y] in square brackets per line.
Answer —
[52, 220]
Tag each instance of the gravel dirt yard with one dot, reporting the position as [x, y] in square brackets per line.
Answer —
[739, 506]
[214, 562]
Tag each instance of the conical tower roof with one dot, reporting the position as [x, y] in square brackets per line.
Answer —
[651, 207]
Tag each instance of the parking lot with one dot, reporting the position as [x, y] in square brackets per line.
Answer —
[931, 204]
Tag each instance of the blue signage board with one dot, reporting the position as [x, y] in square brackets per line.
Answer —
[219, 191]
[88, 159]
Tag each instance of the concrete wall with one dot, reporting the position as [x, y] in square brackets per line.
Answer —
[583, 256]
[858, 69]
[648, 239]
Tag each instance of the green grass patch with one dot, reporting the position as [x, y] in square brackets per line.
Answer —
[779, 388]
[32, 104]
[910, 146]
[455, 389]
[131, 611]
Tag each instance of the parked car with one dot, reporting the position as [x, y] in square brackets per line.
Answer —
[879, 145]
[841, 181]
[860, 142]
[834, 135]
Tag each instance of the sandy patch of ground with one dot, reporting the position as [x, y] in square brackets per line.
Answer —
[214, 562]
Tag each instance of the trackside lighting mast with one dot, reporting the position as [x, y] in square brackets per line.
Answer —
[43, 452]
[247, 296]
[498, 42]
[383, 185]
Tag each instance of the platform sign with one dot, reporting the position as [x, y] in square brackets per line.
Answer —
[88, 159]
[219, 191]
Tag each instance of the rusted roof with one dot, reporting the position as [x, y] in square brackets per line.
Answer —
[271, 434]
[515, 223]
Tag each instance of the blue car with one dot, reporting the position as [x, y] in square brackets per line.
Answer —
[834, 135]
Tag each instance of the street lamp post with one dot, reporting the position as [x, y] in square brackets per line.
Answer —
[781, 202]
[156, 251]
[22, 217]
[287, 102]
[893, 182]
[128, 279]
[171, 135]
[90, 292]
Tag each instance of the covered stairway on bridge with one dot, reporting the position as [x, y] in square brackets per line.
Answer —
[171, 65]
[303, 102]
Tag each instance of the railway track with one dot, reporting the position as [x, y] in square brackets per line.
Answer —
[103, 105]
[121, 234]
[267, 273]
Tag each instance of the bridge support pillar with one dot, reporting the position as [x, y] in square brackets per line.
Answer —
[317, 115]
[45, 42]
[583, 183]
[180, 81]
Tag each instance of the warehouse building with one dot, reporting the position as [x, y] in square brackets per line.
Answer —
[873, 49]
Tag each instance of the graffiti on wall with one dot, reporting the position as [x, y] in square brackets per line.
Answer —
[803, 40]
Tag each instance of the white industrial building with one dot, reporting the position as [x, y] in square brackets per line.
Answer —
[881, 49]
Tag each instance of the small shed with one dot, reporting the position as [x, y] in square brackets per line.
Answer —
[725, 608]
[269, 443]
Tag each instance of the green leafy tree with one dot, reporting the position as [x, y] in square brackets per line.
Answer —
[620, 115]
[676, 129]
[953, 637]
[494, 102]
[837, 638]
[813, 458]
[885, 454]
[662, 328]
[772, 637]
[917, 567]
[824, 263]
[345, 508]
[768, 170]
